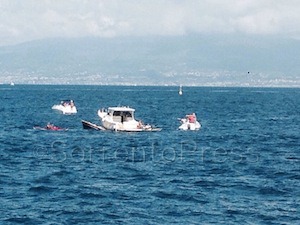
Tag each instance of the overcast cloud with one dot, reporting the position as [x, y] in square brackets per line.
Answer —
[27, 20]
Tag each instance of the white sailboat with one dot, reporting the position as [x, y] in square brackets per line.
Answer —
[180, 90]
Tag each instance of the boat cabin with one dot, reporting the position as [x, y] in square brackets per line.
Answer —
[121, 114]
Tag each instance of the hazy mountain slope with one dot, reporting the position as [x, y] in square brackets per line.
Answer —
[152, 55]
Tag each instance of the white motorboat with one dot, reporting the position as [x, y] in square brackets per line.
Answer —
[189, 123]
[122, 119]
[66, 107]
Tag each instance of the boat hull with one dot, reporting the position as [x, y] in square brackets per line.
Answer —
[89, 125]
[65, 109]
[55, 129]
[132, 126]
[190, 126]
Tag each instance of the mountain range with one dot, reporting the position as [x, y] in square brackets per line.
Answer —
[190, 60]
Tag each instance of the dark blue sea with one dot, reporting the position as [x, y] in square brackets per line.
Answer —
[242, 167]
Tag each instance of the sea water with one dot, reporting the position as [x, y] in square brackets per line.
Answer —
[242, 167]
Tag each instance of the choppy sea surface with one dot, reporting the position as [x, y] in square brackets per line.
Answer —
[242, 167]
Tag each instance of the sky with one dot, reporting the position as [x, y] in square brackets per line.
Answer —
[27, 20]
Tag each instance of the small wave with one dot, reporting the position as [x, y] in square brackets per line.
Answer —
[271, 191]
[41, 189]
[45, 179]
[233, 212]
[293, 158]
[21, 220]
[205, 183]
[179, 197]
[92, 195]
[279, 118]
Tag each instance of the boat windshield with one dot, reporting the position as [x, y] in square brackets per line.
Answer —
[67, 102]
[122, 116]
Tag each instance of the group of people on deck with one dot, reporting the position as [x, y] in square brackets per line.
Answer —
[50, 126]
[68, 103]
[191, 118]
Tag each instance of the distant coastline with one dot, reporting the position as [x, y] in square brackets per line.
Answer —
[195, 60]
[147, 85]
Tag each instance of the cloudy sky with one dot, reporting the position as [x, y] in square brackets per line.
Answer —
[26, 20]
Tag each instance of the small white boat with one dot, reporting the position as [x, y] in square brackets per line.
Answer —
[189, 123]
[122, 119]
[66, 107]
[180, 90]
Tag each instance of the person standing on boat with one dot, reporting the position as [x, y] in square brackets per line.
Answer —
[72, 103]
[52, 127]
[140, 124]
[192, 118]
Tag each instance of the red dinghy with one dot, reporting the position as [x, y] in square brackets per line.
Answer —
[49, 127]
